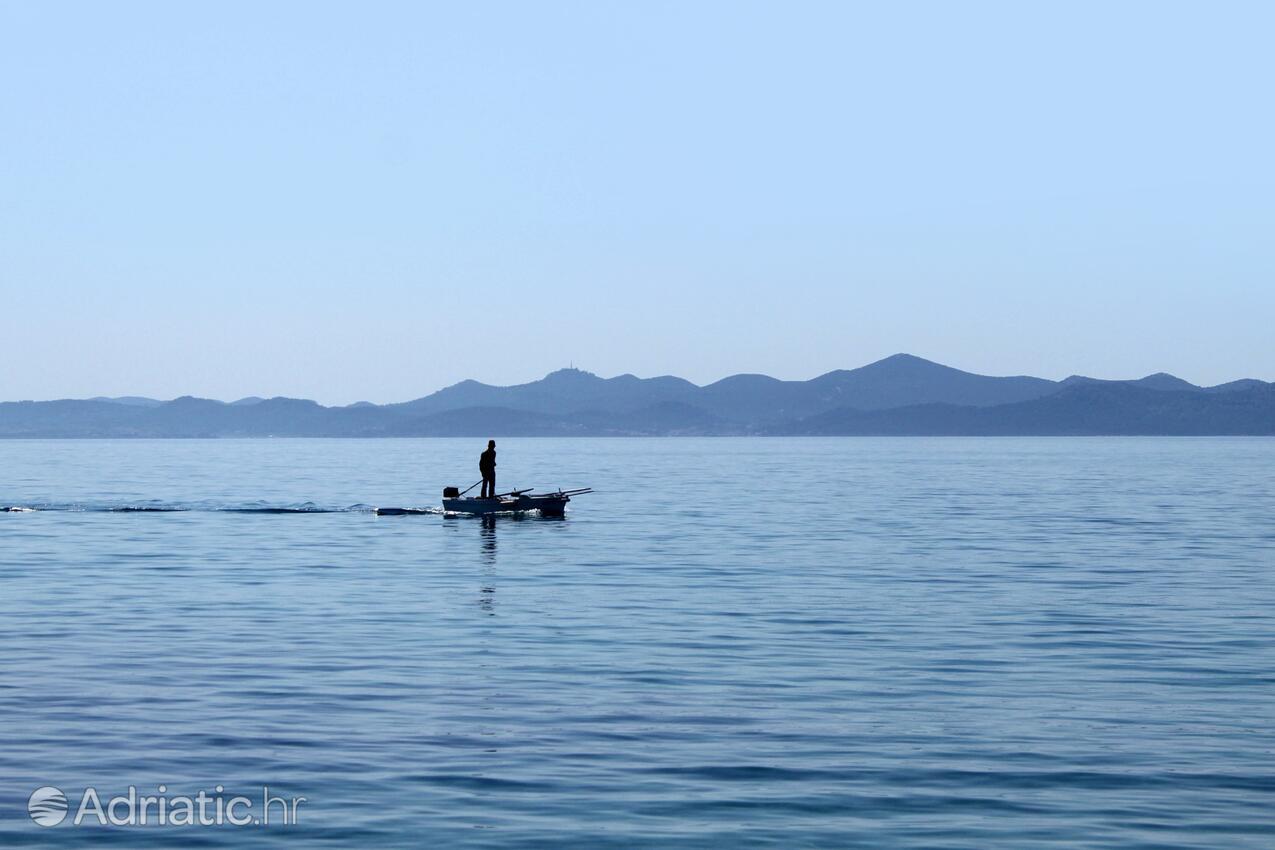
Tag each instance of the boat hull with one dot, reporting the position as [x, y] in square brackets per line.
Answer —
[551, 505]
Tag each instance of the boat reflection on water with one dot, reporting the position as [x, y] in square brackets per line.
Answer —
[488, 536]
[489, 522]
[487, 593]
[487, 525]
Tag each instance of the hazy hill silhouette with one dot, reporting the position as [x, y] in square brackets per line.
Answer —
[563, 391]
[893, 382]
[901, 394]
[896, 381]
[1086, 409]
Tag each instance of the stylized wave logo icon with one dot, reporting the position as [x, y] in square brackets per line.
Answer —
[47, 806]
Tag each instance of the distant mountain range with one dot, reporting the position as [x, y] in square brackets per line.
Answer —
[900, 395]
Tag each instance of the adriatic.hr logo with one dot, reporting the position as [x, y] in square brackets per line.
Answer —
[49, 806]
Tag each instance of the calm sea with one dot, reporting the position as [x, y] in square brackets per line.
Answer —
[1002, 643]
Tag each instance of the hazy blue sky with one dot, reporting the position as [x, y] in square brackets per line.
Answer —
[373, 200]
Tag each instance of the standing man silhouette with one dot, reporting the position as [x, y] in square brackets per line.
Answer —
[487, 466]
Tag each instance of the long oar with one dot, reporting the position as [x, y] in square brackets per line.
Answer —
[512, 493]
[471, 486]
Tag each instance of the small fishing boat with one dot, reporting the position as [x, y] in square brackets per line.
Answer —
[513, 502]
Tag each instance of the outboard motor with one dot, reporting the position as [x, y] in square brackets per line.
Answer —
[451, 492]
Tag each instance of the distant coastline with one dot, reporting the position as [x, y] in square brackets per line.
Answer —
[901, 395]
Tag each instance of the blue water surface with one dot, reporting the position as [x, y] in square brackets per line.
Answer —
[883, 643]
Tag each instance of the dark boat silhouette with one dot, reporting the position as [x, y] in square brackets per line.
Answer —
[513, 502]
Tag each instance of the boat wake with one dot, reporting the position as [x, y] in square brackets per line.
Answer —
[152, 507]
[408, 511]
